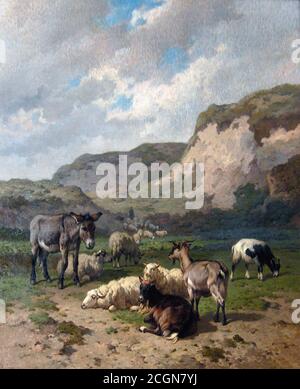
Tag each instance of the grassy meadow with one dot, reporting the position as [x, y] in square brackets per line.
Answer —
[244, 295]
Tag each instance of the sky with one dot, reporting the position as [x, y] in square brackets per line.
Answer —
[101, 75]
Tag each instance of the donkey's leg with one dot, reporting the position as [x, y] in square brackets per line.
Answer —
[197, 299]
[35, 251]
[217, 315]
[224, 321]
[63, 267]
[44, 258]
[75, 265]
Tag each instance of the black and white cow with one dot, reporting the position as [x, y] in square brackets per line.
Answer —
[253, 251]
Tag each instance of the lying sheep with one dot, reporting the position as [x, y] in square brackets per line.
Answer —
[90, 267]
[117, 294]
[166, 281]
[161, 233]
[122, 243]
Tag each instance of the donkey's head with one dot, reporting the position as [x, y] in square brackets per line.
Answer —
[87, 227]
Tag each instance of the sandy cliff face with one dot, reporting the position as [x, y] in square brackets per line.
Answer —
[284, 180]
[241, 143]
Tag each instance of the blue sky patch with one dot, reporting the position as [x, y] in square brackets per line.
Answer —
[174, 60]
[122, 102]
[121, 10]
[74, 82]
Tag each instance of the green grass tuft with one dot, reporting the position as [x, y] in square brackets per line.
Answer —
[126, 316]
[41, 319]
[75, 333]
[213, 353]
[111, 330]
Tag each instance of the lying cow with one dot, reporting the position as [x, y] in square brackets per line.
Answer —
[60, 233]
[253, 251]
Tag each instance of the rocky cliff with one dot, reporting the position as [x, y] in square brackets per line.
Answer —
[241, 143]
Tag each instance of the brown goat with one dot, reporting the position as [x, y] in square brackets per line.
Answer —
[170, 316]
[202, 278]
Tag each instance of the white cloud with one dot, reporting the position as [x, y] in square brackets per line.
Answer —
[182, 95]
[230, 51]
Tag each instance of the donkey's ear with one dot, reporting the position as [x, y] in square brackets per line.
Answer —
[141, 279]
[77, 217]
[174, 243]
[95, 216]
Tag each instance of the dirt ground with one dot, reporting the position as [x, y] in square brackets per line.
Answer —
[251, 340]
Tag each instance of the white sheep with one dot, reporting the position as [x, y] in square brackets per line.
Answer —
[166, 281]
[121, 243]
[161, 233]
[138, 236]
[117, 294]
[90, 267]
[148, 234]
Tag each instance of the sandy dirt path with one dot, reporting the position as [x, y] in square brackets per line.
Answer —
[251, 340]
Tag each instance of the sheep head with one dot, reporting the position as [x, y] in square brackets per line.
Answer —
[90, 300]
[150, 271]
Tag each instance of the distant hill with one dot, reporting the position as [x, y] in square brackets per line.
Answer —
[251, 154]
[82, 172]
[21, 200]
